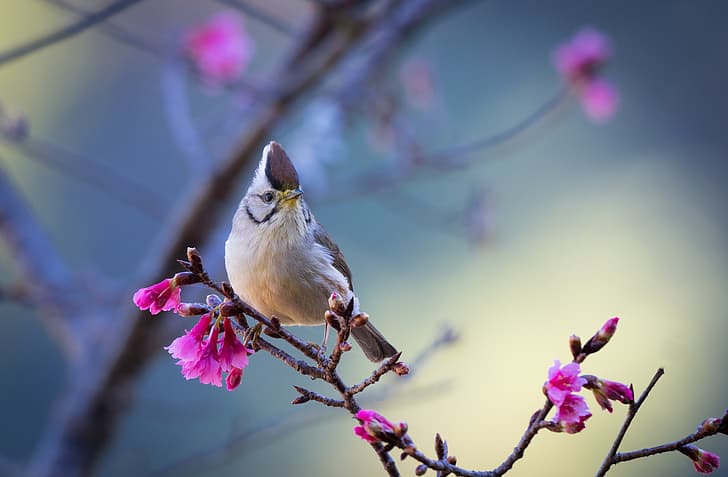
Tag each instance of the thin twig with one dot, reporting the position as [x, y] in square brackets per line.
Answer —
[50, 281]
[260, 15]
[94, 173]
[66, 32]
[383, 369]
[114, 32]
[631, 413]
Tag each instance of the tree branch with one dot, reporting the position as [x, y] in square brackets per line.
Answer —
[46, 277]
[66, 32]
[87, 414]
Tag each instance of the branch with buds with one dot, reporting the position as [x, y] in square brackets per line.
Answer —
[204, 354]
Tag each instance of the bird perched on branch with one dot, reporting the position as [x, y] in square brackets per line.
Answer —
[281, 261]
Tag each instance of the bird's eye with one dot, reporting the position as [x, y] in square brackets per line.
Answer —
[268, 197]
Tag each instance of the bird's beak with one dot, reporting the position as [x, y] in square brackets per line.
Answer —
[292, 194]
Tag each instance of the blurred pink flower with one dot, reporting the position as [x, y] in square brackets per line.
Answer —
[599, 99]
[580, 58]
[220, 49]
[373, 426]
[572, 413]
[189, 346]
[162, 296]
[562, 381]
[704, 462]
[233, 355]
[579, 61]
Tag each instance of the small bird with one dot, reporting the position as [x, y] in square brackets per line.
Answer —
[281, 261]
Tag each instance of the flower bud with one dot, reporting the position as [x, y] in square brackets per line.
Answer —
[336, 304]
[300, 400]
[602, 336]
[213, 300]
[723, 429]
[332, 319]
[401, 368]
[710, 426]
[192, 309]
[359, 320]
[345, 346]
[185, 278]
[230, 308]
[575, 346]
[421, 469]
[400, 429]
[704, 462]
[452, 460]
[195, 259]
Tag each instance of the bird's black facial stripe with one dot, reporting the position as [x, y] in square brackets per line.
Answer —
[264, 219]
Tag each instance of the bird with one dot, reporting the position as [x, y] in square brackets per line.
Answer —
[280, 260]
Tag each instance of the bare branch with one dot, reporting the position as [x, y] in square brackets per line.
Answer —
[87, 415]
[66, 32]
[609, 460]
[260, 15]
[115, 32]
[94, 173]
[46, 276]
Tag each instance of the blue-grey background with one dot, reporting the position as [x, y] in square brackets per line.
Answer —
[589, 222]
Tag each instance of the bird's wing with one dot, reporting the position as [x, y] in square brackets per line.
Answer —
[322, 238]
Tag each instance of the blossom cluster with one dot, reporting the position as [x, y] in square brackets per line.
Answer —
[564, 382]
[580, 61]
[219, 49]
[202, 352]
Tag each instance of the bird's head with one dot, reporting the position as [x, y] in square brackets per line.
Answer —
[275, 193]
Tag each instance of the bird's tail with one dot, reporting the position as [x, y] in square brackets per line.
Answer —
[373, 343]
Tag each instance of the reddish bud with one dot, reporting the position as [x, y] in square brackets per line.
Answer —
[192, 309]
[704, 462]
[575, 346]
[710, 425]
[332, 319]
[230, 308]
[602, 337]
[336, 304]
[359, 320]
[195, 259]
[401, 369]
[452, 460]
[185, 278]
[400, 429]
[345, 346]
[300, 400]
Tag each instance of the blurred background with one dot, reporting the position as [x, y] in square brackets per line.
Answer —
[515, 245]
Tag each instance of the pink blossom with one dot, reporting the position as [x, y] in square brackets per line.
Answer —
[599, 99]
[220, 49]
[162, 296]
[606, 391]
[562, 381]
[572, 413]
[207, 367]
[373, 426]
[234, 378]
[704, 462]
[232, 352]
[189, 346]
[579, 59]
